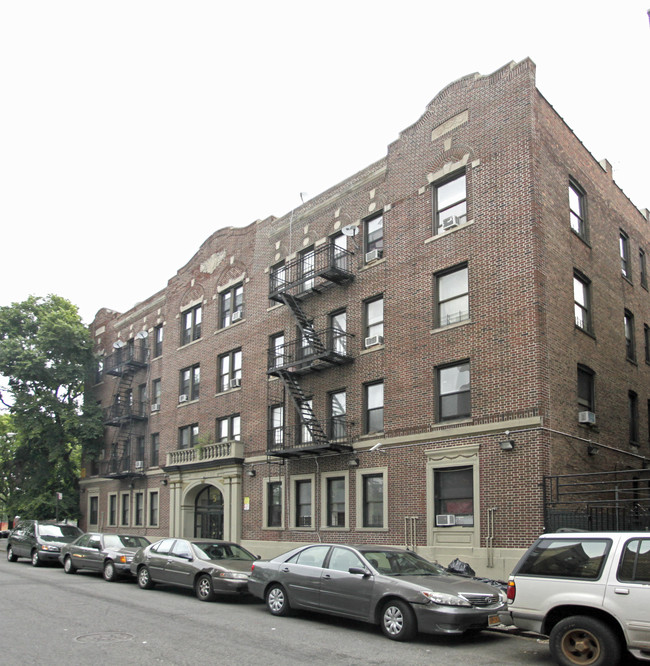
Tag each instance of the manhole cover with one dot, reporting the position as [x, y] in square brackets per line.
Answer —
[104, 637]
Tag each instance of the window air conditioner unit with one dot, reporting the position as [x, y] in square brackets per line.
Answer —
[587, 417]
[182, 397]
[373, 254]
[139, 464]
[445, 519]
[155, 407]
[236, 316]
[374, 340]
[235, 383]
[450, 222]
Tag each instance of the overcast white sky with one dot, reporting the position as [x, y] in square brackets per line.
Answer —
[134, 129]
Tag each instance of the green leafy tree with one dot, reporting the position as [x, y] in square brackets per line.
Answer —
[46, 354]
[8, 483]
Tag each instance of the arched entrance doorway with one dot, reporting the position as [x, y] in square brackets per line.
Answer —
[208, 514]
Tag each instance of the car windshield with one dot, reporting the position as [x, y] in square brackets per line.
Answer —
[222, 551]
[57, 532]
[124, 541]
[401, 563]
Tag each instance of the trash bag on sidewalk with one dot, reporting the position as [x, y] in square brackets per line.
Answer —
[460, 568]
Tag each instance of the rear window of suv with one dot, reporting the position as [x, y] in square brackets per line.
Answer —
[635, 562]
[567, 558]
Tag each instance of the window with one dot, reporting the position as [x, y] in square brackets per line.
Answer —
[306, 268]
[563, 558]
[99, 371]
[278, 277]
[306, 419]
[624, 248]
[340, 255]
[190, 380]
[338, 413]
[374, 237]
[585, 389]
[112, 510]
[277, 350]
[374, 399]
[633, 411]
[374, 321]
[93, 509]
[303, 503]
[454, 392]
[335, 501]
[155, 449]
[230, 370]
[453, 296]
[577, 210]
[153, 509]
[630, 345]
[338, 327]
[191, 325]
[125, 509]
[454, 494]
[142, 400]
[157, 340]
[373, 500]
[635, 563]
[139, 448]
[646, 339]
[450, 203]
[188, 436]
[232, 305]
[643, 269]
[582, 302]
[274, 504]
[276, 426]
[343, 559]
[229, 428]
[311, 557]
[155, 395]
[138, 514]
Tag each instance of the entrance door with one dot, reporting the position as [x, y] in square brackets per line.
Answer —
[208, 514]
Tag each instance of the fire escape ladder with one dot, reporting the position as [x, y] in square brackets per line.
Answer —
[306, 325]
[306, 413]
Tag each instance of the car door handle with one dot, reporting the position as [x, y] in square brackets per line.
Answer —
[327, 577]
[621, 590]
[285, 569]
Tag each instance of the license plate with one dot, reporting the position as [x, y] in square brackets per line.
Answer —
[493, 619]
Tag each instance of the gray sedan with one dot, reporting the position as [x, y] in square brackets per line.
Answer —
[392, 587]
[207, 566]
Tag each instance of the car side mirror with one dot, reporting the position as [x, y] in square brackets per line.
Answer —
[258, 557]
[360, 571]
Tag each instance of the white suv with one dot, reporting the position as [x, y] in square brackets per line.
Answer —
[589, 592]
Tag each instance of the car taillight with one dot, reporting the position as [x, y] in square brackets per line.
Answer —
[512, 590]
[252, 567]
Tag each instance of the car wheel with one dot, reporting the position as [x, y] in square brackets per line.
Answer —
[203, 588]
[36, 560]
[144, 578]
[110, 572]
[68, 567]
[277, 600]
[10, 554]
[398, 621]
[584, 640]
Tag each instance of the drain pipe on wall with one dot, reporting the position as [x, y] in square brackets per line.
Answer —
[489, 541]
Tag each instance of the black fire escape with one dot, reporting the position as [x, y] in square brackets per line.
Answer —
[313, 351]
[124, 414]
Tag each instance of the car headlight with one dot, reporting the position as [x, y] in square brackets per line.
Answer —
[232, 575]
[443, 599]
[125, 559]
[54, 549]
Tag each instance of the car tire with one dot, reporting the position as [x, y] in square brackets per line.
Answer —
[398, 621]
[36, 560]
[277, 600]
[203, 588]
[68, 567]
[584, 640]
[11, 557]
[144, 578]
[110, 572]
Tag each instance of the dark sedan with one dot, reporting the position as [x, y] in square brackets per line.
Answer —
[392, 587]
[207, 566]
[109, 553]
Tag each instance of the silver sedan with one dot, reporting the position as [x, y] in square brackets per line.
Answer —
[392, 587]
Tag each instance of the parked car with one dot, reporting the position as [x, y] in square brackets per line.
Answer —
[589, 592]
[109, 553]
[392, 587]
[208, 566]
[41, 541]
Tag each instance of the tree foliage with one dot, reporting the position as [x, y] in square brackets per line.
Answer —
[46, 354]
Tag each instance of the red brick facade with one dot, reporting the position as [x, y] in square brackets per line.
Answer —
[519, 340]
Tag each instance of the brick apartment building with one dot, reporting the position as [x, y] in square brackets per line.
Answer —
[416, 356]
